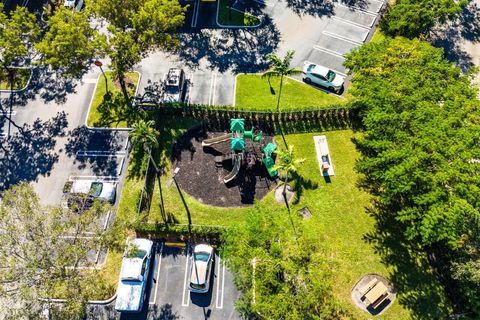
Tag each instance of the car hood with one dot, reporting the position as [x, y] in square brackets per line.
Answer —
[172, 97]
[129, 296]
[108, 191]
[338, 80]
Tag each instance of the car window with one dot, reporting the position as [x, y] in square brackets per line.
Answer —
[144, 266]
[331, 75]
[310, 67]
[96, 189]
[319, 76]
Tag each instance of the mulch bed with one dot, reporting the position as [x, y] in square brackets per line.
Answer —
[201, 178]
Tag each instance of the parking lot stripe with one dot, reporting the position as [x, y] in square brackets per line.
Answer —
[358, 9]
[334, 53]
[8, 113]
[355, 24]
[105, 178]
[196, 6]
[218, 283]
[158, 275]
[186, 304]
[213, 83]
[100, 153]
[333, 35]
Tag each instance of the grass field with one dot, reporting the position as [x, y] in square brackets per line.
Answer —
[230, 17]
[254, 92]
[20, 79]
[102, 112]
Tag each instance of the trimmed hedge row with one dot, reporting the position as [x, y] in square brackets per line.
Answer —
[178, 232]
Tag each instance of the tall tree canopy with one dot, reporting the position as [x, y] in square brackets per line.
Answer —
[421, 119]
[412, 18]
[281, 276]
[70, 42]
[40, 249]
[136, 27]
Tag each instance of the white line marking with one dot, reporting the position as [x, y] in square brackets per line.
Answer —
[189, 89]
[340, 73]
[358, 25]
[8, 113]
[212, 86]
[218, 283]
[223, 286]
[334, 53]
[105, 225]
[158, 276]
[85, 177]
[214, 90]
[196, 6]
[359, 10]
[100, 153]
[333, 35]
[185, 285]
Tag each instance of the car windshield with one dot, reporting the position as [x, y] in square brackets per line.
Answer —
[202, 256]
[171, 89]
[331, 75]
[96, 189]
[197, 286]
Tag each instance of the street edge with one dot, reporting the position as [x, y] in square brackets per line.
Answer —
[91, 102]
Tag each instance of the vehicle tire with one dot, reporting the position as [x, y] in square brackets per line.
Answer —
[307, 80]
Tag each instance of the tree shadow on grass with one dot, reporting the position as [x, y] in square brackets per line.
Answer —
[30, 153]
[239, 50]
[412, 276]
[300, 185]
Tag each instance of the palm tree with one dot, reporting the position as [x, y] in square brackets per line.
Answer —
[144, 134]
[286, 162]
[280, 68]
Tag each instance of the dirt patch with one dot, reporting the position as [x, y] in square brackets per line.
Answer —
[128, 83]
[202, 172]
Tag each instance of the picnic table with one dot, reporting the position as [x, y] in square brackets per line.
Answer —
[377, 294]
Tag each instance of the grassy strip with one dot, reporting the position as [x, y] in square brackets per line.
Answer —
[230, 17]
[20, 79]
[254, 92]
[104, 113]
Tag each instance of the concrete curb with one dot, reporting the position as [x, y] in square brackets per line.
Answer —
[233, 26]
[26, 86]
[91, 302]
[91, 101]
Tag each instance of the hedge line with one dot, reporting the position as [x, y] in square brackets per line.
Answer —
[178, 231]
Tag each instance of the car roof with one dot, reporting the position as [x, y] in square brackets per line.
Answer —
[142, 244]
[321, 70]
[203, 248]
[83, 186]
[131, 268]
[201, 272]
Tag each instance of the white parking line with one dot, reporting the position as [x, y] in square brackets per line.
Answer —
[213, 85]
[8, 113]
[358, 9]
[85, 177]
[336, 36]
[355, 24]
[217, 305]
[340, 73]
[189, 88]
[196, 6]
[100, 153]
[186, 304]
[334, 53]
[158, 276]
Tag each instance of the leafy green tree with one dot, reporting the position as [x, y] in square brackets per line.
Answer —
[40, 252]
[413, 18]
[137, 27]
[287, 163]
[280, 68]
[421, 119]
[70, 42]
[280, 276]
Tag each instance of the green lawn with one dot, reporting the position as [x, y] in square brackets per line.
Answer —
[20, 79]
[231, 17]
[108, 112]
[254, 92]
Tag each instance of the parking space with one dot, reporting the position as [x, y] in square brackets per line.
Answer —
[346, 29]
[167, 292]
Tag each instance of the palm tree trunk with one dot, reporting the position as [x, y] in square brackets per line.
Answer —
[279, 93]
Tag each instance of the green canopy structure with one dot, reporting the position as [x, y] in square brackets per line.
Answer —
[270, 148]
[237, 125]
[237, 144]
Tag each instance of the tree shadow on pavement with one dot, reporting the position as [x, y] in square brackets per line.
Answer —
[29, 152]
[411, 274]
[450, 36]
[48, 84]
[83, 139]
[239, 50]
[315, 8]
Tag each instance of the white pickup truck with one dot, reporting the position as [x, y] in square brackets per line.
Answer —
[134, 276]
